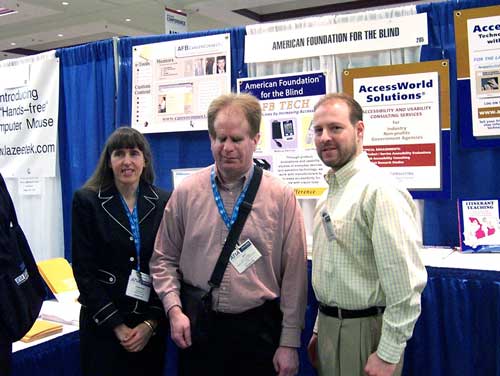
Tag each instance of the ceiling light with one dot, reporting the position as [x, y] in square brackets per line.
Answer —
[128, 19]
[64, 3]
[60, 35]
[12, 43]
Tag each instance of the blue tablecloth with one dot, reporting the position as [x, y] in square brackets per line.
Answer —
[458, 333]
[58, 357]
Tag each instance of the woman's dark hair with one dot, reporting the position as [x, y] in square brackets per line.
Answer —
[121, 138]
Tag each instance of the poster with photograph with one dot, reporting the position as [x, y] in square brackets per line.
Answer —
[484, 65]
[174, 82]
[477, 38]
[286, 145]
[479, 225]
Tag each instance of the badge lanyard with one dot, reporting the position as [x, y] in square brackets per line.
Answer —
[133, 219]
[220, 204]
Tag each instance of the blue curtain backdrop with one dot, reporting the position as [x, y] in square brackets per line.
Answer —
[457, 333]
[86, 117]
[474, 171]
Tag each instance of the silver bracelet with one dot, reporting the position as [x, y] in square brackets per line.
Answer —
[150, 327]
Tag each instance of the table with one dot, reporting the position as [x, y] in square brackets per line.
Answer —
[55, 356]
[458, 332]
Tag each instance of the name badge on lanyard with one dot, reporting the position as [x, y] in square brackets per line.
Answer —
[327, 225]
[139, 285]
[244, 256]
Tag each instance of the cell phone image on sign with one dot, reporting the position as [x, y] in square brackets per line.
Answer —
[276, 133]
[288, 129]
[283, 133]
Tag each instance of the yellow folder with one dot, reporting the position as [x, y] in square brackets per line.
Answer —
[42, 329]
[58, 275]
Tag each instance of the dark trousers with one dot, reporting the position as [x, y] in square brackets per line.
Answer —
[239, 344]
[5, 358]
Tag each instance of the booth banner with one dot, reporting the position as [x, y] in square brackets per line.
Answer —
[286, 145]
[29, 104]
[402, 126]
[175, 22]
[342, 38]
[174, 82]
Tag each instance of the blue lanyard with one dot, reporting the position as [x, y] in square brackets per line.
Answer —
[220, 204]
[133, 219]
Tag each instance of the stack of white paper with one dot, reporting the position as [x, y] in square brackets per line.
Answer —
[66, 313]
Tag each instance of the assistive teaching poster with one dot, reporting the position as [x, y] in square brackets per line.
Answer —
[477, 34]
[402, 117]
[286, 145]
[174, 82]
[479, 225]
[341, 38]
[29, 104]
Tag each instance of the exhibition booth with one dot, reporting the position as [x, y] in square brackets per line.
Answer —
[458, 332]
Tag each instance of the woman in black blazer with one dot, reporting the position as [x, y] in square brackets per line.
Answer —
[116, 215]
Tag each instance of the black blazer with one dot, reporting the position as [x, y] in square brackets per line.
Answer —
[5, 219]
[5, 251]
[104, 252]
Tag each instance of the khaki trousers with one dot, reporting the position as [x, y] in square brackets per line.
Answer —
[345, 345]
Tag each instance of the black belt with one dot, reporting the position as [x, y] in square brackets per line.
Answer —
[349, 314]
